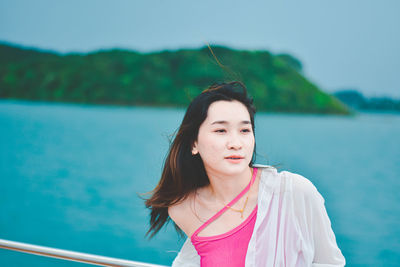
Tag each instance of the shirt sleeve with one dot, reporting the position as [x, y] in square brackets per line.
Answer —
[187, 256]
[312, 215]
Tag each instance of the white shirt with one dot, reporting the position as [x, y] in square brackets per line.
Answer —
[292, 226]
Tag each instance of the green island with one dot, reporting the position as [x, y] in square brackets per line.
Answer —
[163, 78]
[357, 101]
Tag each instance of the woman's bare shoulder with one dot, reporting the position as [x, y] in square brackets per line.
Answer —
[178, 210]
[181, 213]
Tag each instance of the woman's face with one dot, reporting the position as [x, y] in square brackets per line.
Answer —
[225, 141]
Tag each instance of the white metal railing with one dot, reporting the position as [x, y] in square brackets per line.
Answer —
[71, 255]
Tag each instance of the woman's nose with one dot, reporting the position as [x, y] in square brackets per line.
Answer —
[234, 142]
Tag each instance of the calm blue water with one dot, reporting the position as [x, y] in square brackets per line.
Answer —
[70, 177]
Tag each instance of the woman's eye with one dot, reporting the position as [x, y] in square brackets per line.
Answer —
[223, 130]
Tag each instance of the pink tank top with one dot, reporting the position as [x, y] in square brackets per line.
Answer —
[230, 248]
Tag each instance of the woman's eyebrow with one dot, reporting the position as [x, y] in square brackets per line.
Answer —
[226, 122]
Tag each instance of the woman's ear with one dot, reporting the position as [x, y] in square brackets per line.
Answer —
[194, 149]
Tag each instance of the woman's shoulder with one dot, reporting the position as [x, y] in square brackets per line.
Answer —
[177, 210]
[302, 187]
[294, 182]
[181, 213]
[299, 182]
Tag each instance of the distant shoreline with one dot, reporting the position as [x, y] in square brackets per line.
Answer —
[121, 107]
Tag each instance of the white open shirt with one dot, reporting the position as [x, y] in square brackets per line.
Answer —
[292, 226]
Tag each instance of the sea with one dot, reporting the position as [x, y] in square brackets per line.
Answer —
[75, 177]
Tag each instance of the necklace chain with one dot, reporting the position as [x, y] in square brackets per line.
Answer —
[245, 203]
[229, 207]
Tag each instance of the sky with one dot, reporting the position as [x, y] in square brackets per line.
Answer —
[342, 44]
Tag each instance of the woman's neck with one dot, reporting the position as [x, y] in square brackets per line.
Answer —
[224, 188]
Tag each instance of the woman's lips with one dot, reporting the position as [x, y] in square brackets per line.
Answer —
[234, 159]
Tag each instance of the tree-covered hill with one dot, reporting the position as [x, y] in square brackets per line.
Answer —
[166, 78]
[358, 101]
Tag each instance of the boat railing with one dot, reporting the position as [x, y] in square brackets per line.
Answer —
[71, 255]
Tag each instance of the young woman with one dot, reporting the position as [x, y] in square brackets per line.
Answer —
[236, 213]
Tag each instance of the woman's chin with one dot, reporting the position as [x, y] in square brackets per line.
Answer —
[233, 168]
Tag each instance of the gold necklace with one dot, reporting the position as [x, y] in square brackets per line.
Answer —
[247, 198]
[242, 209]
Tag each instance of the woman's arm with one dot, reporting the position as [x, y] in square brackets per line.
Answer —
[327, 253]
[312, 215]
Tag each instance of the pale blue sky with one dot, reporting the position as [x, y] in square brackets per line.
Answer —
[342, 43]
